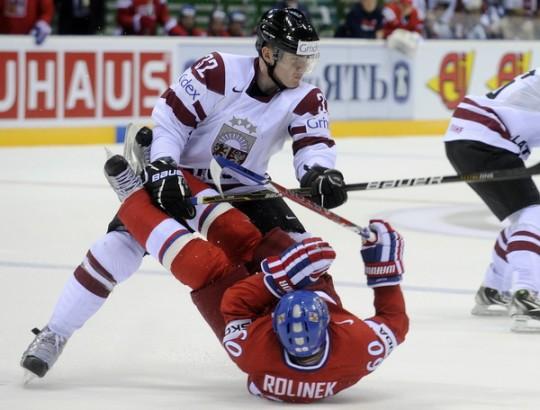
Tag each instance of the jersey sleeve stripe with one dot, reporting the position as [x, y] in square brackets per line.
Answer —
[98, 268]
[199, 110]
[526, 233]
[309, 141]
[90, 283]
[179, 109]
[490, 123]
[297, 130]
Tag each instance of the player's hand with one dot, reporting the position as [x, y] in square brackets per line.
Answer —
[327, 186]
[298, 266]
[168, 189]
[383, 256]
[40, 31]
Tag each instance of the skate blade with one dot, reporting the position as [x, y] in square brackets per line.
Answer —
[28, 377]
[524, 324]
[491, 310]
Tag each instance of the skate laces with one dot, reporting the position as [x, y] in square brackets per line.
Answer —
[125, 182]
[46, 346]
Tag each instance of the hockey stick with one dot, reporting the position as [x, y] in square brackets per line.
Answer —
[365, 233]
[478, 177]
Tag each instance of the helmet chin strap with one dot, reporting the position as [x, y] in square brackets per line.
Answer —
[270, 69]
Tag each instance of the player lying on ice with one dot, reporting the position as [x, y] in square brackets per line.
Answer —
[278, 316]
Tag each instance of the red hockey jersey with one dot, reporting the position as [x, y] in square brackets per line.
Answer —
[394, 18]
[141, 17]
[354, 347]
[20, 16]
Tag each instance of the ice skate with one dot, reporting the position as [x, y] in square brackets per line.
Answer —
[525, 311]
[137, 144]
[42, 353]
[491, 302]
[121, 177]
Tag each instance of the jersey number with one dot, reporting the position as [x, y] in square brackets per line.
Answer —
[375, 348]
[206, 63]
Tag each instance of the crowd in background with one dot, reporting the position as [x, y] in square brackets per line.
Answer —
[367, 19]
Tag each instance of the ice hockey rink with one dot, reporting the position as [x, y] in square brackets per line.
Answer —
[148, 348]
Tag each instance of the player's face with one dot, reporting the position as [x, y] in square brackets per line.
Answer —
[290, 68]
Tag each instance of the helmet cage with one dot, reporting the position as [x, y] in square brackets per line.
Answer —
[300, 321]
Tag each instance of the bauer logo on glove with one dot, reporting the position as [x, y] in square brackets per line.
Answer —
[165, 174]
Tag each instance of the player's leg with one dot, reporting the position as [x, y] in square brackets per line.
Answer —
[503, 198]
[223, 225]
[524, 257]
[271, 213]
[110, 260]
[493, 297]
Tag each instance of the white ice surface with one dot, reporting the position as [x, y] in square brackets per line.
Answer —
[148, 348]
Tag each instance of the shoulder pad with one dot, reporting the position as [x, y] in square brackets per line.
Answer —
[210, 71]
[313, 102]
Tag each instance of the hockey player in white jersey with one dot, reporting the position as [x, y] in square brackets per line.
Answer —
[243, 108]
[498, 131]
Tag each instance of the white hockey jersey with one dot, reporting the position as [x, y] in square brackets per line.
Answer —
[216, 108]
[508, 117]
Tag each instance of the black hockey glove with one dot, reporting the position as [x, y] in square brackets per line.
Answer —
[168, 189]
[327, 186]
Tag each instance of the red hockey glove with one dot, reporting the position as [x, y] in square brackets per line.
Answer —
[383, 257]
[298, 266]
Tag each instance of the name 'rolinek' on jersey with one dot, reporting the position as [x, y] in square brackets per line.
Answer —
[281, 386]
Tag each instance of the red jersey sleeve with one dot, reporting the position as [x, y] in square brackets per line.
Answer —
[414, 23]
[46, 11]
[124, 16]
[247, 299]
[390, 311]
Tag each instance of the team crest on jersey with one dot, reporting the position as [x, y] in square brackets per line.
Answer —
[235, 141]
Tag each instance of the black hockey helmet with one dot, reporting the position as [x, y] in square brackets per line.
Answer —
[287, 29]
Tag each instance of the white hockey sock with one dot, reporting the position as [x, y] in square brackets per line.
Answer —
[498, 274]
[112, 259]
[74, 307]
[524, 248]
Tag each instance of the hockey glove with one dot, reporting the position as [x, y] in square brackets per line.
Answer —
[382, 258]
[327, 186]
[168, 189]
[298, 266]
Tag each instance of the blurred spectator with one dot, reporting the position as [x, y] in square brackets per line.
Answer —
[364, 20]
[187, 21]
[80, 16]
[403, 15]
[141, 17]
[237, 23]
[292, 4]
[489, 25]
[27, 17]
[217, 26]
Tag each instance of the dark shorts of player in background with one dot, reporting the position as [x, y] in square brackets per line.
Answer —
[270, 213]
[505, 197]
